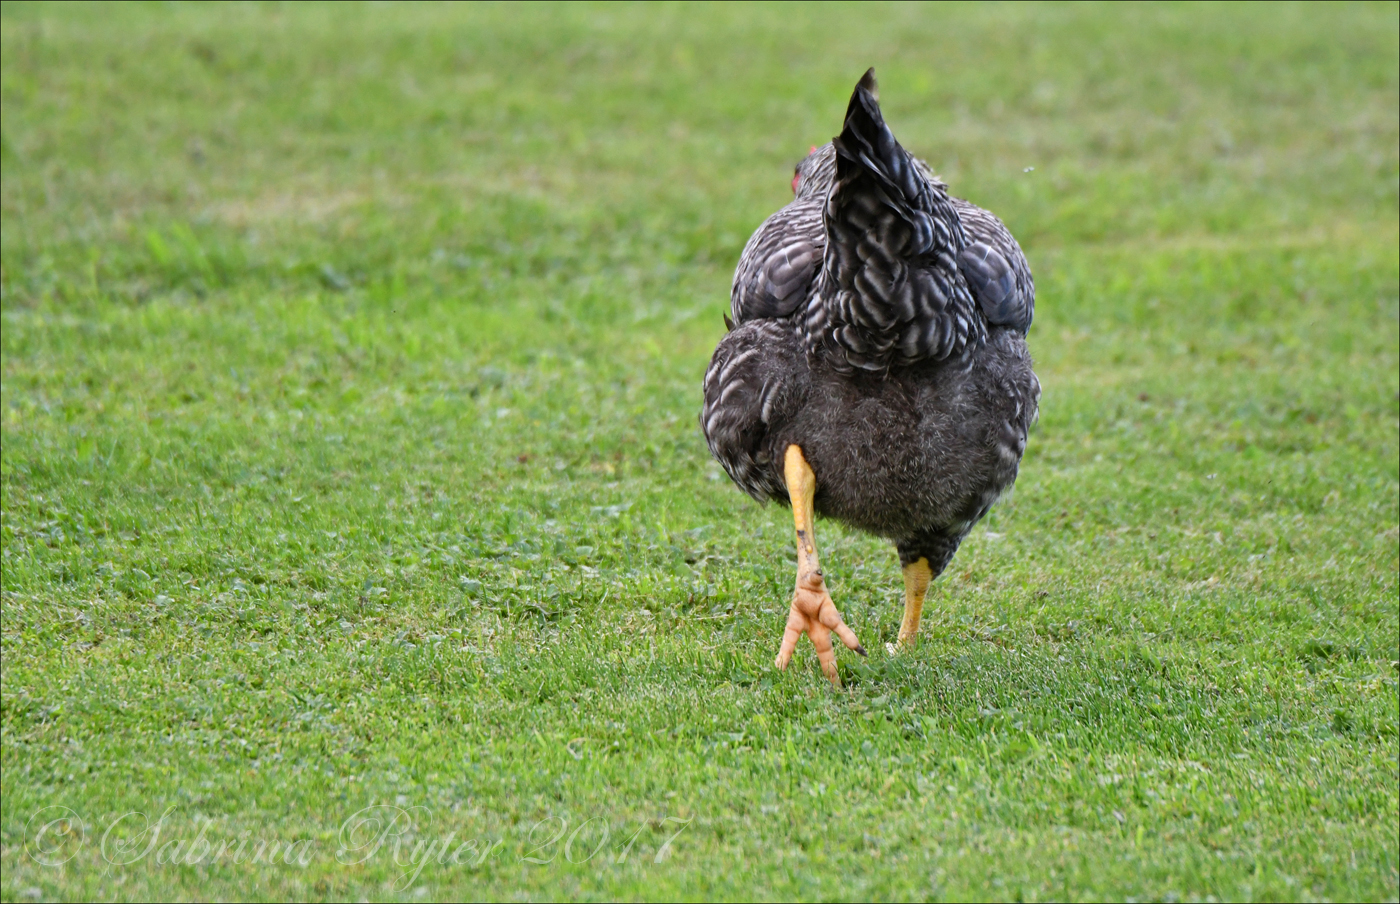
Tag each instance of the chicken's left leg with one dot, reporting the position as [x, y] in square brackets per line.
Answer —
[812, 611]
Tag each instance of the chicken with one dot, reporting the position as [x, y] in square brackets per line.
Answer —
[875, 370]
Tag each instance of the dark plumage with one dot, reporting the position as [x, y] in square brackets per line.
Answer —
[779, 263]
[926, 447]
[879, 328]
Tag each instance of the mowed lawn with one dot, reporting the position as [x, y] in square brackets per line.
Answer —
[351, 371]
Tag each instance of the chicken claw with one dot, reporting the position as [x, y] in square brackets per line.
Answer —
[814, 614]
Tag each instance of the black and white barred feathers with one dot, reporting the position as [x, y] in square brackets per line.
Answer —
[879, 267]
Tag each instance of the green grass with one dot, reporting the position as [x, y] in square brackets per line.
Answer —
[351, 365]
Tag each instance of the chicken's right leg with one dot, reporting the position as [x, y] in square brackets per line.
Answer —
[812, 611]
[917, 576]
[923, 558]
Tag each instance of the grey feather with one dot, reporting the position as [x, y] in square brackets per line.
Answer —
[995, 269]
[779, 264]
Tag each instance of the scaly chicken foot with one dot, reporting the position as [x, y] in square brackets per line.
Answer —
[812, 612]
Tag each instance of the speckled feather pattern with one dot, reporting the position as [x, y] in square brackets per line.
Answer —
[778, 268]
[880, 326]
[890, 290]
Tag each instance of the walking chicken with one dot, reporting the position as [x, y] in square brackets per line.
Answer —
[875, 370]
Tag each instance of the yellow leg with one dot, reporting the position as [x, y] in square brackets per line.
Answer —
[812, 612]
[802, 489]
[917, 576]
